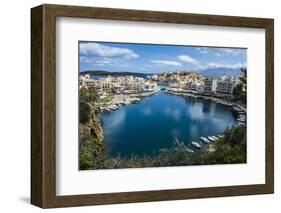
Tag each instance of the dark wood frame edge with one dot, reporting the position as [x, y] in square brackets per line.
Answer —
[43, 105]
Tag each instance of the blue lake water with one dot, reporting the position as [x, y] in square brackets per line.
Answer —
[156, 121]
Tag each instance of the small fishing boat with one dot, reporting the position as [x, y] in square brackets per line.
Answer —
[211, 138]
[215, 138]
[196, 144]
[189, 150]
[205, 140]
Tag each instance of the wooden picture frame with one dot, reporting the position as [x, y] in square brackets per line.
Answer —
[43, 105]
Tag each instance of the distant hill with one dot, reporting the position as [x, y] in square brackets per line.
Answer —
[217, 72]
[106, 73]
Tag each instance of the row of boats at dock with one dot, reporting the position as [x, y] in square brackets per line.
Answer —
[192, 94]
[116, 106]
[132, 99]
[206, 140]
[241, 118]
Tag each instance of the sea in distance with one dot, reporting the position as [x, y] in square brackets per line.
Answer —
[156, 122]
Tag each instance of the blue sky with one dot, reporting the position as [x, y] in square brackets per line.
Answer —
[153, 58]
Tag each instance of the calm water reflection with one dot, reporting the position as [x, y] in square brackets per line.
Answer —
[156, 121]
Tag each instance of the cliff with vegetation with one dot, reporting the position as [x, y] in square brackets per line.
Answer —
[89, 118]
[92, 128]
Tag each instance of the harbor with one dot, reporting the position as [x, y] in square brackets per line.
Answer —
[239, 113]
[159, 119]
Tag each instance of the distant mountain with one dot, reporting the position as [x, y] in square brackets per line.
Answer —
[217, 72]
[106, 73]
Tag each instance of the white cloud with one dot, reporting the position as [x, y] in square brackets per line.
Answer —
[103, 61]
[99, 50]
[231, 51]
[202, 50]
[122, 65]
[97, 61]
[188, 59]
[220, 51]
[169, 63]
[229, 66]
[226, 51]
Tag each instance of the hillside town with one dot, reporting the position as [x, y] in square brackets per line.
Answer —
[119, 85]
[129, 89]
[195, 83]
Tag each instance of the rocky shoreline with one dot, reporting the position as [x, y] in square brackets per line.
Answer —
[121, 99]
[235, 106]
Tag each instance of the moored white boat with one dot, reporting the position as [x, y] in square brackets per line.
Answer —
[241, 120]
[215, 137]
[205, 140]
[189, 150]
[196, 144]
[211, 138]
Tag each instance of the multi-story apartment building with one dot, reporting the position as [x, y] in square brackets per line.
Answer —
[200, 88]
[191, 85]
[210, 85]
[149, 86]
[105, 84]
[225, 85]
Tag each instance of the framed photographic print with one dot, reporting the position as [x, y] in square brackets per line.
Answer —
[136, 106]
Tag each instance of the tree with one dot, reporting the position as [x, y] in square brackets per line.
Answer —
[88, 95]
[84, 111]
[243, 78]
[240, 90]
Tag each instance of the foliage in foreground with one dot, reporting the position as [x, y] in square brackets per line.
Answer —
[87, 99]
[229, 149]
[84, 112]
[240, 90]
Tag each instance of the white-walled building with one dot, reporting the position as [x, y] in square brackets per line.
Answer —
[150, 86]
[119, 84]
[191, 85]
[225, 85]
[210, 85]
[200, 88]
[83, 79]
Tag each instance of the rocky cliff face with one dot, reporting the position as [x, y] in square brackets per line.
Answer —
[93, 127]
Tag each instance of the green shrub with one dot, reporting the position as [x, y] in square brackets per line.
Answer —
[84, 112]
[228, 150]
[92, 155]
